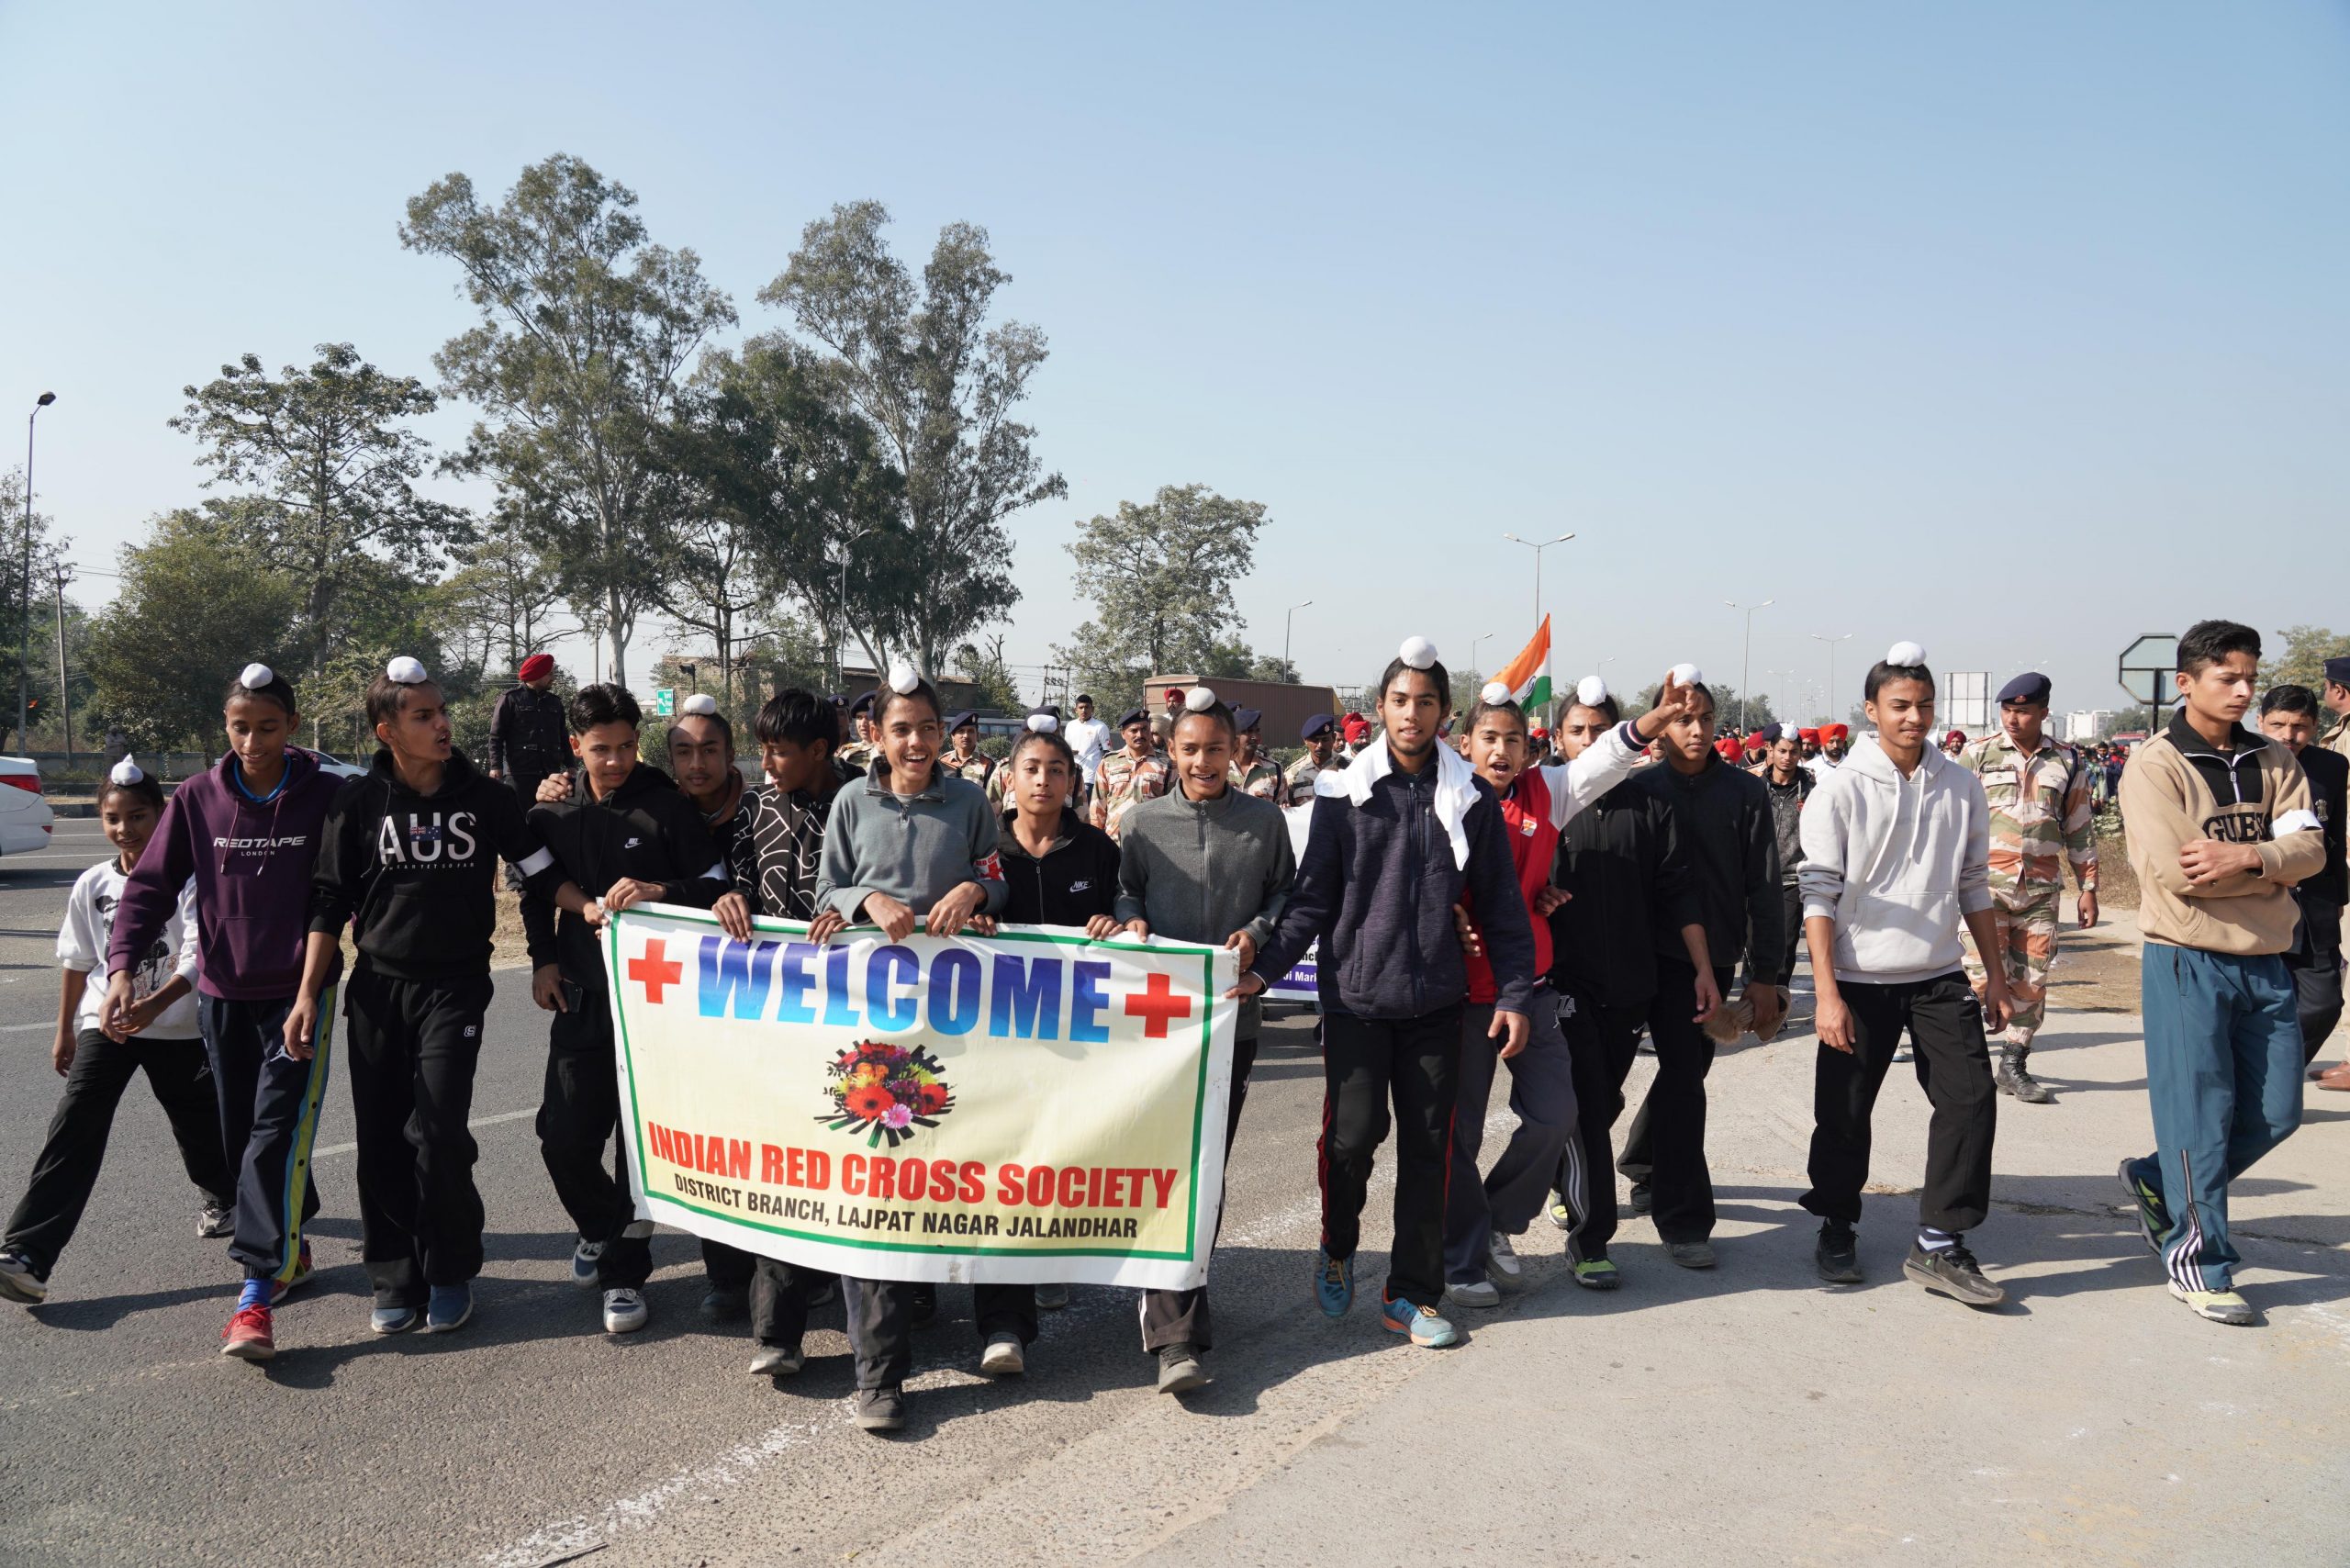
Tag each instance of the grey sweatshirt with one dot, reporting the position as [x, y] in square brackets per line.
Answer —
[915, 850]
[1198, 871]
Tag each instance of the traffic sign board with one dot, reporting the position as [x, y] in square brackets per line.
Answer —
[2145, 667]
[665, 702]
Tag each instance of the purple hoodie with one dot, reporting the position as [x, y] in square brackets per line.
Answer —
[252, 865]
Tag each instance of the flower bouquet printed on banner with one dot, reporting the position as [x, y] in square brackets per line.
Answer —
[886, 1091]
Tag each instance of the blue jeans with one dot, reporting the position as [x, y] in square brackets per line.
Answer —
[2223, 1073]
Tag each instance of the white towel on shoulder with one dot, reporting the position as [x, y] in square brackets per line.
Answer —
[1456, 790]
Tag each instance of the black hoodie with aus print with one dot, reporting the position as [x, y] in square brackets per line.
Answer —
[416, 874]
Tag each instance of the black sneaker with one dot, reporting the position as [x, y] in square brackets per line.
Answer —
[924, 1307]
[1838, 1254]
[1953, 1272]
[1180, 1370]
[1642, 1199]
[720, 1304]
[880, 1409]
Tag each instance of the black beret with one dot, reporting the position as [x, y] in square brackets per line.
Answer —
[959, 720]
[1133, 716]
[1315, 725]
[2337, 669]
[2030, 687]
[1246, 719]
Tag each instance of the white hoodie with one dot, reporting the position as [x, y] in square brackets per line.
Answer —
[1896, 863]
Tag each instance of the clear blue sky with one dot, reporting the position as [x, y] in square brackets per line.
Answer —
[2016, 329]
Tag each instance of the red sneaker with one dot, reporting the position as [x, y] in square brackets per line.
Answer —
[248, 1337]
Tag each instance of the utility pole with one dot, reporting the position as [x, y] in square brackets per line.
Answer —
[1829, 704]
[1746, 659]
[25, 639]
[64, 702]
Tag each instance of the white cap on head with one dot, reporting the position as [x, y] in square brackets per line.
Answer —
[1043, 723]
[255, 676]
[1199, 699]
[1906, 653]
[700, 705]
[128, 770]
[1494, 694]
[1417, 652]
[1591, 691]
[405, 671]
[1688, 675]
[903, 679]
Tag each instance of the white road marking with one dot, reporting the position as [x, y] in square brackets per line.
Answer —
[476, 1121]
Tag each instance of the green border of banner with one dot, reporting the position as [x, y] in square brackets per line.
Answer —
[799, 927]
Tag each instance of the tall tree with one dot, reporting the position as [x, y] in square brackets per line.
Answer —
[797, 483]
[940, 386]
[2301, 661]
[1161, 575]
[587, 330]
[195, 607]
[23, 600]
[332, 471]
[500, 604]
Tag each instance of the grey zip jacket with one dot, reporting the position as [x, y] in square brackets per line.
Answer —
[915, 850]
[1200, 870]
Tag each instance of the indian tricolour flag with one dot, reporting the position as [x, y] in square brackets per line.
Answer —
[1528, 675]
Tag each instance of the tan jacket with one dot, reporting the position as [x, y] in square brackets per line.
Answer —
[2337, 737]
[2176, 788]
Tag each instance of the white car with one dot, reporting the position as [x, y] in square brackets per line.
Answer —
[328, 763]
[24, 816]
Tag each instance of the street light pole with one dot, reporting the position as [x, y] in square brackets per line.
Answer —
[25, 639]
[1473, 642]
[64, 702]
[1538, 550]
[1286, 616]
[839, 638]
[1746, 658]
[1829, 702]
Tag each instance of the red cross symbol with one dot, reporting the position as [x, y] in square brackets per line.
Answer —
[654, 971]
[1157, 1003]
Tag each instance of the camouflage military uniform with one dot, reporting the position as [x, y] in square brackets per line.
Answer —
[2041, 816]
[1298, 782]
[860, 756]
[1123, 783]
[976, 771]
[1261, 779]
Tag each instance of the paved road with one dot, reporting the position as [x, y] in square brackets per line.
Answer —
[1748, 1415]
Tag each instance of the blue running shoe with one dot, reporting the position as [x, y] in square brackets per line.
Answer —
[448, 1310]
[2146, 1198]
[394, 1319]
[1429, 1328]
[1334, 1284]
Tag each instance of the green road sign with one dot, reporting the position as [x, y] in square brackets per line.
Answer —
[665, 702]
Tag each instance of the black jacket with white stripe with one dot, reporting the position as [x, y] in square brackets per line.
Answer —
[647, 830]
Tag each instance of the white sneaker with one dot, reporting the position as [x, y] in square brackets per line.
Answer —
[1477, 1293]
[1502, 1258]
[1004, 1357]
[625, 1311]
[584, 1259]
[18, 1282]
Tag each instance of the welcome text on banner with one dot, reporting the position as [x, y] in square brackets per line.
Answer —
[1032, 1107]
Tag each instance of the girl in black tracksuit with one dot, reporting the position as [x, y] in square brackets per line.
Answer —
[409, 855]
[1059, 869]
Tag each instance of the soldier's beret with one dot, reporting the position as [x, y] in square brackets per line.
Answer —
[1315, 725]
[959, 720]
[1133, 716]
[2031, 687]
[2337, 669]
[1246, 718]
